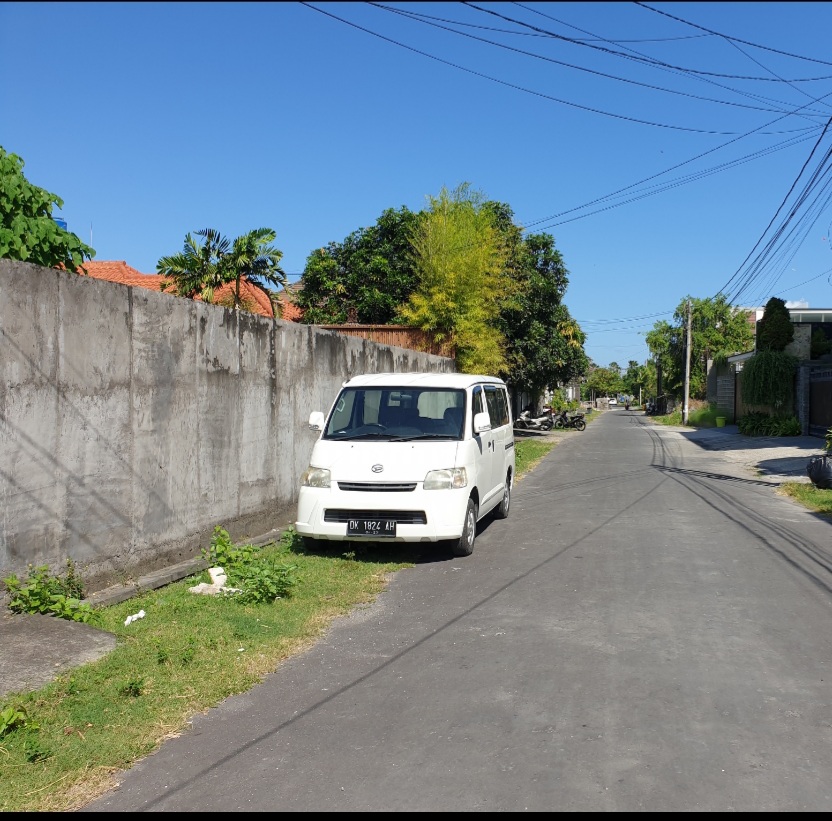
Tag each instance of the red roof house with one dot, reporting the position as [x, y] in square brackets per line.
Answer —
[254, 298]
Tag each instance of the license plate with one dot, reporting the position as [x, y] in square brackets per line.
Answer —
[371, 527]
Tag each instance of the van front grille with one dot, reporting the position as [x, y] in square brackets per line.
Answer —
[378, 487]
[402, 517]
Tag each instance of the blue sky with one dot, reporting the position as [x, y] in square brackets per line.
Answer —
[667, 157]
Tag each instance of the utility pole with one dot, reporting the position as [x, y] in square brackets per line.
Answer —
[687, 369]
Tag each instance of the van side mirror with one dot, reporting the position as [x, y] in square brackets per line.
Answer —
[481, 422]
[316, 421]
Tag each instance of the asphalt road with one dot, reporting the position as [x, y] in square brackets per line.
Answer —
[649, 630]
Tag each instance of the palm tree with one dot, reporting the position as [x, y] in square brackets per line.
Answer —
[199, 270]
[252, 256]
[196, 271]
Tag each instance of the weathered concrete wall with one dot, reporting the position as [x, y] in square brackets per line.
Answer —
[133, 422]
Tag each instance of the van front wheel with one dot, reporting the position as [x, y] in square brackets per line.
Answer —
[464, 545]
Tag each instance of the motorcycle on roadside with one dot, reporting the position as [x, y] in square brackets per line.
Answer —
[544, 422]
[566, 421]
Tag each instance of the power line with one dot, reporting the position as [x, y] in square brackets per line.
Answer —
[725, 287]
[422, 19]
[734, 39]
[518, 87]
[656, 62]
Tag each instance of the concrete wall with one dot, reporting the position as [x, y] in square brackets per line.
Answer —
[132, 422]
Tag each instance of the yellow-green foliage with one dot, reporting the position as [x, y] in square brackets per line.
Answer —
[461, 259]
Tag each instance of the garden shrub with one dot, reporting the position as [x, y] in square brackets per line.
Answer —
[768, 379]
[761, 424]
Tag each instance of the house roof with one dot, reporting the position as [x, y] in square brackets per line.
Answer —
[256, 298]
[120, 271]
[286, 296]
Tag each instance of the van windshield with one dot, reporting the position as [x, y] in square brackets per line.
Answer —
[397, 414]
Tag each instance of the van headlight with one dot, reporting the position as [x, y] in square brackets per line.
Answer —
[315, 477]
[446, 479]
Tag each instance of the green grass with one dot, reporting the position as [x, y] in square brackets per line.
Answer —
[528, 452]
[60, 746]
[811, 497]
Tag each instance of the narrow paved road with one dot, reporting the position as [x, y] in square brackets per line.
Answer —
[650, 629]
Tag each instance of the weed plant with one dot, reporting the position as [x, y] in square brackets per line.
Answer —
[49, 594]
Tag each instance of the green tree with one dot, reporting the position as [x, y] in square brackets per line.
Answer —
[461, 260]
[717, 331]
[28, 231]
[202, 268]
[544, 344]
[603, 382]
[775, 329]
[253, 257]
[635, 379]
[366, 277]
[195, 271]
[371, 276]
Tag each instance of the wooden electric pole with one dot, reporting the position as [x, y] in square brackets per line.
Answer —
[687, 369]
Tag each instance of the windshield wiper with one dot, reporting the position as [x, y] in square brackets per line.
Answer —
[424, 436]
[372, 435]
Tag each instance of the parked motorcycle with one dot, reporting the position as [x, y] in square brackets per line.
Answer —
[566, 420]
[525, 421]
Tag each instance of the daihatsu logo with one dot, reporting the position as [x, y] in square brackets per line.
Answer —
[377, 468]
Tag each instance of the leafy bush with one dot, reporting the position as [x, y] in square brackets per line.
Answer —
[761, 424]
[49, 595]
[223, 553]
[264, 581]
[251, 577]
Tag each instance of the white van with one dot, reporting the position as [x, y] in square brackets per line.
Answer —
[409, 457]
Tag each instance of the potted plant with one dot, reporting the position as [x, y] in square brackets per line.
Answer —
[820, 467]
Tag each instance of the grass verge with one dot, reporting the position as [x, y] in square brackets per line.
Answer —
[62, 746]
[528, 452]
[811, 497]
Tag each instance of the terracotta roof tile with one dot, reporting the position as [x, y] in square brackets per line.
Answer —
[286, 297]
[256, 298]
[120, 271]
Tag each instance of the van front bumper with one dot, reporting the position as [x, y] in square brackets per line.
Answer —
[420, 515]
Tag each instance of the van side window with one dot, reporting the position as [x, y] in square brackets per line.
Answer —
[502, 403]
[497, 406]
